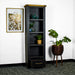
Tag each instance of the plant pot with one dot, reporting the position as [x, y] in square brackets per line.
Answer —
[57, 50]
[39, 41]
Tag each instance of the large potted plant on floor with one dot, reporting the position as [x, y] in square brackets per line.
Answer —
[57, 47]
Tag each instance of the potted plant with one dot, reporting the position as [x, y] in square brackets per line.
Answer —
[31, 27]
[57, 47]
[39, 39]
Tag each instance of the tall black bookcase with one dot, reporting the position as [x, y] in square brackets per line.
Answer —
[34, 25]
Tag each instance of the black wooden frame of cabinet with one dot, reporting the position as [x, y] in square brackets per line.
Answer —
[34, 61]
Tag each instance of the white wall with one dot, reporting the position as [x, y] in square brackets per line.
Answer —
[73, 29]
[59, 16]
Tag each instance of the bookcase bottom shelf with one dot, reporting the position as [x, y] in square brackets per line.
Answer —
[37, 62]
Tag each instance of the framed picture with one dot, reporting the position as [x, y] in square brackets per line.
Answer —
[14, 20]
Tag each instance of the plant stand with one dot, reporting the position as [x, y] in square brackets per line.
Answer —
[57, 59]
[57, 50]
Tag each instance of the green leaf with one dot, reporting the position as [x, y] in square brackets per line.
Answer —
[53, 33]
[39, 37]
[66, 39]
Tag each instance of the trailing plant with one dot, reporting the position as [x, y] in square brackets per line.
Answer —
[39, 37]
[31, 25]
[54, 34]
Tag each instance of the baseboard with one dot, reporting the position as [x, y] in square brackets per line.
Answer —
[65, 60]
[24, 64]
[11, 65]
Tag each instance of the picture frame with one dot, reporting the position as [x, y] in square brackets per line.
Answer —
[14, 20]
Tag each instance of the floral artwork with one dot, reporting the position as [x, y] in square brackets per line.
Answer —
[14, 20]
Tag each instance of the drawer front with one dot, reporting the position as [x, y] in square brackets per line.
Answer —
[37, 63]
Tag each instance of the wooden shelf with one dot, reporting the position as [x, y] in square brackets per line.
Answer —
[36, 19]
[36, 57]
[35, 32]
[36, 45]
[33, 5]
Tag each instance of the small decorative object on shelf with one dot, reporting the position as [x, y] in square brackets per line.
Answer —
[57, 48]
[33, 16]
[31, 28]
[39, 39]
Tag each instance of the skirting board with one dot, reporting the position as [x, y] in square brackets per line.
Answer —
[66, 60]
[24, 64]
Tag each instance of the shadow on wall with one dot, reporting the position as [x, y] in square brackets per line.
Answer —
[50, 52]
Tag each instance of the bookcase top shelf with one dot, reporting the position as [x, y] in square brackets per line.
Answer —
[33, 5]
